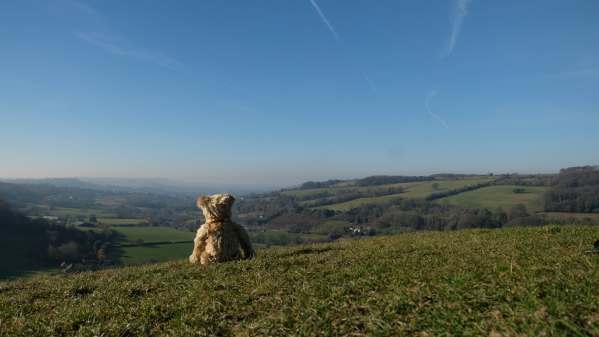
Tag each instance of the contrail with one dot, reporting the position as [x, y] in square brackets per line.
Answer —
[428, 108]
[324, 19]
[461, 10]
[116, 47]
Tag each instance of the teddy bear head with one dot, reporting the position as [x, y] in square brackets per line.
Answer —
[217, 207]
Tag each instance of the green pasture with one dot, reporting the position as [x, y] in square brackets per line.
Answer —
[502, 196]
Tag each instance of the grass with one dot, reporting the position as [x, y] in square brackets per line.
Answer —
[502, 196]
[413, 190]
[278, 237]
[511, 282]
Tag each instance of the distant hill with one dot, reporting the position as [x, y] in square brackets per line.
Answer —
[141, 185]
[56, 182]
[508, 282]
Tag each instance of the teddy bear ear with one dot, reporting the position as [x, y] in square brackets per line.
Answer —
[228, 198]
[203, 201]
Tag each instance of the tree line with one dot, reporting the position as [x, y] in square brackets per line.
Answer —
[574, 189]
[27, 243]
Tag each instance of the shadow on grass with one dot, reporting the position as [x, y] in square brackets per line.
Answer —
[154, 243]
[307, 251]
[14, 271]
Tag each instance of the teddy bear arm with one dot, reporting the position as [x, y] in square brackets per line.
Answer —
[244, 241]
[199, 244]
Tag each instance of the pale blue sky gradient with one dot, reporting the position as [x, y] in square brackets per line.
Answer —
[279, 92]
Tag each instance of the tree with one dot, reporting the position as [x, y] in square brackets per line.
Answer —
[93, 218]
[500, 217]
[67, 252]
[518, 211]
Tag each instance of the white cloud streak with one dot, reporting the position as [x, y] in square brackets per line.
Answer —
[324, 19]
[116, 47]
[461, 10]
[430, 95]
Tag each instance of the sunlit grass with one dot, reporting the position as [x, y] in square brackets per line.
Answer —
[521, 281]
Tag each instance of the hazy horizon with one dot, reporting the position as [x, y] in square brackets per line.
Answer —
[266, 183]
[279, 93]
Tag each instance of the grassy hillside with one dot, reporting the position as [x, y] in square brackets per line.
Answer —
[527, 281]
[500, 196]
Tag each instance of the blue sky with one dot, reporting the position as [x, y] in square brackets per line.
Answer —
[279, 92]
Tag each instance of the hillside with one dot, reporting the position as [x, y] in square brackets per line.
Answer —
[314, 212]
[526, 281]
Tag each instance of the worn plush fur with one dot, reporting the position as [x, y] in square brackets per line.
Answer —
[219, 239]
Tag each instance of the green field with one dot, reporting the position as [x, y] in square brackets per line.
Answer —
[156, 253]
[153, 234]
[148, 252]
[347, 205]
[413, 190]
[121, 221]
[502, 196]
[85, 212]
[510, 282]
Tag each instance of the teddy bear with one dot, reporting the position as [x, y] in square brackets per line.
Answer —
[219, 239]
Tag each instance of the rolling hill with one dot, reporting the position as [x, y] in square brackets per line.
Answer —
[526, 281]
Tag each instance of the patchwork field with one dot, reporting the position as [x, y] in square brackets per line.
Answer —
[413, 190]
[502, 196]
[510, 282]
